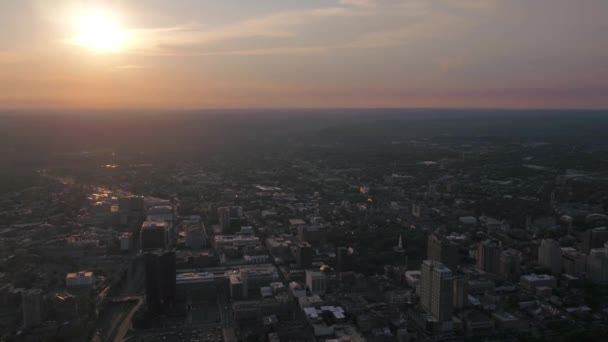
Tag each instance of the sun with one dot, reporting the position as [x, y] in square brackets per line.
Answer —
[100, 31]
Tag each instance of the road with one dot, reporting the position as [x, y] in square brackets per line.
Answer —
[135, 277]
[126, 323]
[111, 318]
[115, 320]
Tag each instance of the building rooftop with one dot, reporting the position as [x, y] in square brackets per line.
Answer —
[235, 279]
[79, 274]
[194, 277]
[228, 238]
[160, 209]
[538, 277]
[259, 270]
[315, 273]
[154, 224]
[413, 274]
[297, 222]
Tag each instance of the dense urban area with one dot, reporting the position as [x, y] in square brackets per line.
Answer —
[387, 226]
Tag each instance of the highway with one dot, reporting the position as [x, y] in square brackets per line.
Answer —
[118, 312]
[126, 323]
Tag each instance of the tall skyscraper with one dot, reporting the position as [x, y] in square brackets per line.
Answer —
[437, 290]
[550, 255]
[316, 282]
[510, 261]
[154, 235]
[196, 235]
[425, 283]
[160, 280]
[442, 250]
[31, 307]
[345, 263]
[304, 255]
[3, 249]
[488, 256]
[131, 204]
[461, 292]
[345, 259]
[597, 265]
[574, 262]
[594, 238]
[131, 210]
[231, 219]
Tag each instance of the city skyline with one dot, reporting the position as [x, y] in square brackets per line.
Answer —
[303, 170]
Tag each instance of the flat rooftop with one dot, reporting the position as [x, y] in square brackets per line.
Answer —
[79, 274]
[194, 277]
[236, 238]
[154, 224]
[536, 277]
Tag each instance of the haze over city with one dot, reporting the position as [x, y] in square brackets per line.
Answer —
[303, 171]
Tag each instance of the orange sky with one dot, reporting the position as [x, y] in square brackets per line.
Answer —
[317, 53]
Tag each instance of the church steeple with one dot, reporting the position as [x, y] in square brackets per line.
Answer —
[399, 248]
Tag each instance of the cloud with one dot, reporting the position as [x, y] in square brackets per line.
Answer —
[281, 25]
[344, 24]
[270, 51]
[419, 28]
[477, 5]
[284, 28]
[358, 3]
[188, 51]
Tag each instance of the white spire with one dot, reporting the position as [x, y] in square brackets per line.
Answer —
[400, 245]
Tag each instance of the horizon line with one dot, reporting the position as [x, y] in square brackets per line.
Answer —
[275, 109]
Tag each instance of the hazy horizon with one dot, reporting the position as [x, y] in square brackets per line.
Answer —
[303, 170]
[286, 110]
[154, 54]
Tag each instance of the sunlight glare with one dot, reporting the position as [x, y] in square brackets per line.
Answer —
[100, 31]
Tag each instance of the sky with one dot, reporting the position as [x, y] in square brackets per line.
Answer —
[186, 54]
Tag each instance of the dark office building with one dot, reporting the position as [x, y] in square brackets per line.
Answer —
[304, 255]
[160, 280]
[154, 235]
[345, 260]
[442, 250]
[131, 210]
[231, 219]
[235, 224]
[488, 256]
[131, 204]
[594, 238]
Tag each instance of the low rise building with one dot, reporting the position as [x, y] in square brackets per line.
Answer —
[82, 278]
[531, 281]
[195, 287]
